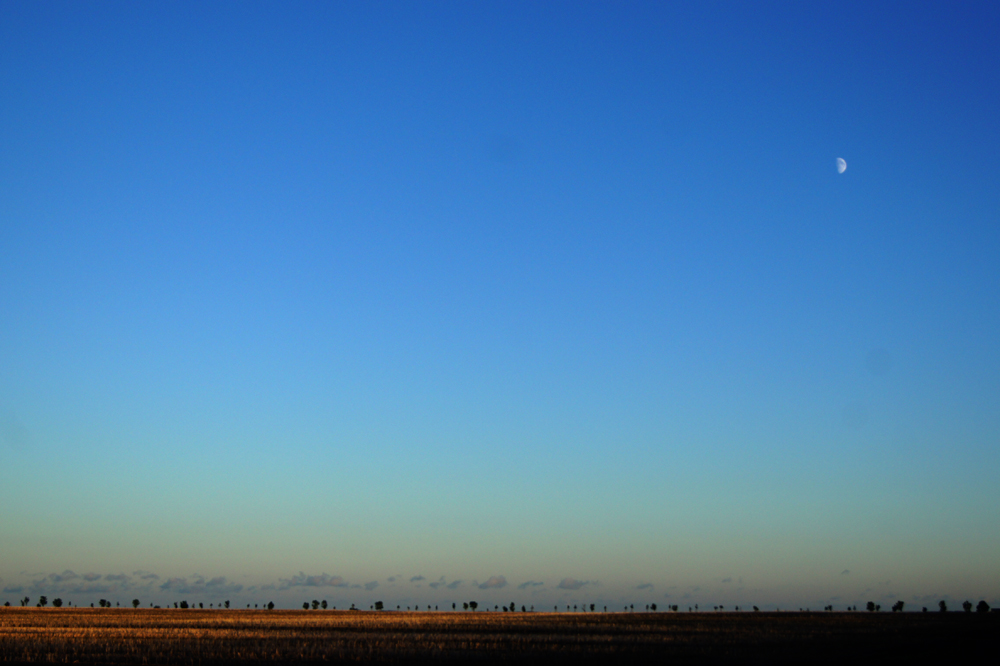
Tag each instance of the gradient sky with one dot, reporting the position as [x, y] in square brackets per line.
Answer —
[543, 302]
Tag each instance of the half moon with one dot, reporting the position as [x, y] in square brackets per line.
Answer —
[841, 165]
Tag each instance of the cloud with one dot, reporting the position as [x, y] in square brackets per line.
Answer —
[69, 582]
[494, 583]
[573, 584]
[529, 583]
[417, 579]
[371, 586]
[145, 575]
[438, 583]
[63, 577]
[644, 586]
[302, 580]
[845, 572]
[13, 589]
[198, 585]
[117, 578]
[453, 585]
[391, 579]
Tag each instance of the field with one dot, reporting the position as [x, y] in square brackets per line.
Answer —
[120, 636]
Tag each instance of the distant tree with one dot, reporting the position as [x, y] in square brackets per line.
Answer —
[305, 606]
[315, 604]
[270, 605]
[473, 605]
[870, 606]
[652, 607]
[756, 610]
[966, 606]
[512, 607]
[184, 604]
[924, 609]
[24, 601]
[201, 604]
[43, 601]
[942, 606]
[135, 603]
[453, 606]
[6, 604]
[981, 607]
[522, 610]
[897, 607]
[323, 604]
[227, 603]
[465, 606]
[878, 607]
[379, 605]
[591, 608]
[57, 603]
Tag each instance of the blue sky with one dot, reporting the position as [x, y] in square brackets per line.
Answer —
[570, 296]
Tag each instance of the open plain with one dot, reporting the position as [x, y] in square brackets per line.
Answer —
[119, 636]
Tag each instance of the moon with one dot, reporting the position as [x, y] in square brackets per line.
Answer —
[841, 165]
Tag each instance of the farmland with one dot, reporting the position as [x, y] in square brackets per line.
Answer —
[120, 636]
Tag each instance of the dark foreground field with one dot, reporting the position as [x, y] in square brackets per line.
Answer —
[107, 636]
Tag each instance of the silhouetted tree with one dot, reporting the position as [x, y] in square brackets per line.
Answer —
[305, 606]
[473, 605]
[591, 608]
[652, 607]
[870, 606]
[135, 603]
[323, 604]
[755, 609]
[522, 610]
[966, 606]
[942, 606]
[227, 603]
[379, 606]
[981, 607]
[57, 603]
[465, 606]
[924, 609]
[184, 604]
[315, 604]
[44, 601]
[896, 607]
[270, 605]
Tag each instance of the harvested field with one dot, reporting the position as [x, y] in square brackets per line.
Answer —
[119, 636]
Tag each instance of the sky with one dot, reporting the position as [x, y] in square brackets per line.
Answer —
[543, 303]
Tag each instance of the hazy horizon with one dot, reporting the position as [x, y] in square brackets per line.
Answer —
[296, 298]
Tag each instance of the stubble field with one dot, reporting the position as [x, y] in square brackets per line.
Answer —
[119, 636]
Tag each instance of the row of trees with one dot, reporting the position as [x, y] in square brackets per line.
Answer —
[981, 607]
[871, 606]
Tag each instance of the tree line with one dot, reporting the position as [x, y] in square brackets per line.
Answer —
[871, 606]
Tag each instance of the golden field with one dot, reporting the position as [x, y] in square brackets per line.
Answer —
[173, 636]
